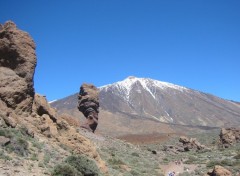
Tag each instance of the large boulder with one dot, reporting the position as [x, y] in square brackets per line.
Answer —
[17, 65]
[192, 143]
[229, 136]
[88, 104]
[41, 107]
[219, 171]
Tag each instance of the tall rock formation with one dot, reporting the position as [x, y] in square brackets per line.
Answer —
[229, 136]
[21, 108]
[88, 104]
[17, 65]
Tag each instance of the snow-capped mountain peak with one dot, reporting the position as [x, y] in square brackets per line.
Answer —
[150, 85]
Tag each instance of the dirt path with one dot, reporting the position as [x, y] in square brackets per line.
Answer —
[177, 168]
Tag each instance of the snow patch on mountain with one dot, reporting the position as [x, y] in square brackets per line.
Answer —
[52, 101]
[125, 86]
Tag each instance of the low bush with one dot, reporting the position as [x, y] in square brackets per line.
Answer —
[84, 165]
[65, 170]
[237, 156]
[4, 156]
[79, 165]
[116, 161]
[135, 154]
[18, 146]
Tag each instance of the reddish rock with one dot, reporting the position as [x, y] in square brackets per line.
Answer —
[88, 104]
[41, 106]
[191, 143]
[229, 136]
[17, 65]
[219, 171]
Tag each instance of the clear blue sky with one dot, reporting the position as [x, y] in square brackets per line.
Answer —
[193, 43]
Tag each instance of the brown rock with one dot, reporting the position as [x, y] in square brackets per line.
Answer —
[48, 128]
[2, 121]
[70, 120]
[41, 106]
[229, 136]
[219, 171]
[192, 143]
[10, 121]
[184, 140]
[17, 65]
[62, 125]
[4, 141]
[88, 104]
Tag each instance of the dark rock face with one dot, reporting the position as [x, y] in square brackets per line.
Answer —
[88, 104]
[229, 136]
[17, 65]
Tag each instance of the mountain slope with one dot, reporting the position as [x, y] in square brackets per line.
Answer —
[167, 103]
[139, 100]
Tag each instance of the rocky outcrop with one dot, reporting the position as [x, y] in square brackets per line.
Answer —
[219, 171]
[17, 65]
[185, 144]
[229, 136]
[41, 106]
[192, 143]
[21, 107]
[88, 104]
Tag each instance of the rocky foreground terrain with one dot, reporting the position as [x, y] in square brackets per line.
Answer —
[35, 140]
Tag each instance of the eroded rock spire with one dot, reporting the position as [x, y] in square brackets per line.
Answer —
[88, 104]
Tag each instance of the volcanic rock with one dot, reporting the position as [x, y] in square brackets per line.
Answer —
[17, 65]
[185, 144]
[191, 143]
[219, 171]
[20, 107]
[41, 106]
[88, 104]
[229, 136]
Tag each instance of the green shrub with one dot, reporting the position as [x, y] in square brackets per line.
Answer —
[83, 165]
[4, 157]
[237, 156]
[2, 132]
[135, 154]
[34, 157]
[221, 163]
[65, 170]
[115, 161]
[46, 159]
[185, 174]
[191, 160]
[226, 162]
[18, 146]
[211, 164]
[135, 173]
[37, 144]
